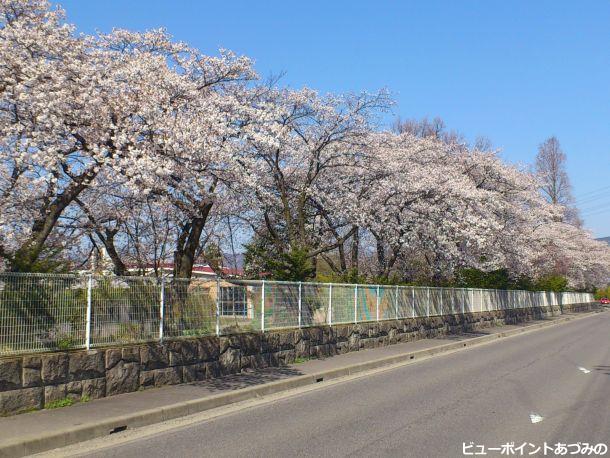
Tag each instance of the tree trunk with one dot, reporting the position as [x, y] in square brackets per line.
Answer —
[355, 252]
[26, 256]
[188, 243]
[381, 258]
[108, 240]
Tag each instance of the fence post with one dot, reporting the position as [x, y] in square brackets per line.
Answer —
[218, 306]
[161, 308]
[396, 302]
[88, 328]
[428, 303]
[441, 291]
[481, 299]
[356, 304]
[463, 302]
[377, 304]
[413, 300]
[263, 307]
[330, 304]
[300, 304]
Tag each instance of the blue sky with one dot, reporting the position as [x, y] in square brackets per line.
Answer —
[514, 71]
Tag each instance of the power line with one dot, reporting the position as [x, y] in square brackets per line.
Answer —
[601, 195]
[601, 211]
[588, 194]
[595, 207]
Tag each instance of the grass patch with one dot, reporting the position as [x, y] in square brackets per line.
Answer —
[85, 398]
[301, 360]
[65, 402]
[29, 409]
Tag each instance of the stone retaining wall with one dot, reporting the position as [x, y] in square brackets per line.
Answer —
[34, 381]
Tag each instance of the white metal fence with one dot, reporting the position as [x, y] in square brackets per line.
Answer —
[41, 312]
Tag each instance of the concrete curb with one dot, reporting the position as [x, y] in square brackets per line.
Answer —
[30, 445]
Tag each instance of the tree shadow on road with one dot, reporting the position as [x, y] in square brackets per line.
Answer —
[463, 335]
[246, 379]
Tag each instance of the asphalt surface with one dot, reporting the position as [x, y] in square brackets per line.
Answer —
[485, 395]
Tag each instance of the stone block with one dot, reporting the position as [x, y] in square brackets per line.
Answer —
[264, 360]
[54, 393]
[385, 327]
[208, 348]
[250, 344]
[168, 376]
[122, 378]
[315, 335]
[354, 342]
[194, 372]
[369, 330]
[342, 332]
[302, 349]
[287, 339]
[10, 374]
[230, 361]
[86, 365]
[31, 377]
[175, 353]
[368, 343]
[342, 347]
[74, 390]
[384, 341]
[328, 335]
[54, 368]
[319, 351]
[270, 342]
[287, 356]
[400, 337]
[190, 351]
[154, 356]
[113, 356]
[212, 369]
[411, 326]
[226, 342]
[282, 358]
[15, 401]
[254, 362]
[94, 388]
[130, 354]
[32, 362]
[147, 379]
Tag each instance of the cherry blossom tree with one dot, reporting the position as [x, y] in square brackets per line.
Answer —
[152, 115]
[142, 148]
[566, 250]
[299, 159]
[71, 107]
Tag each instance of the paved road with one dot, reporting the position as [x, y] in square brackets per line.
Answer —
[428, 409]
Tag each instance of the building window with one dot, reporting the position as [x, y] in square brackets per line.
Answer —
[233, 301]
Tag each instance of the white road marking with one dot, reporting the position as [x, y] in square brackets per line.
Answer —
[535, 418]
[582, 369]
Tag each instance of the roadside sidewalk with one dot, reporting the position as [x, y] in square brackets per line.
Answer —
[48, 429]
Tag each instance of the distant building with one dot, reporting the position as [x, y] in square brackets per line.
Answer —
[199, 270]
[605, 239]
[101, 264]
